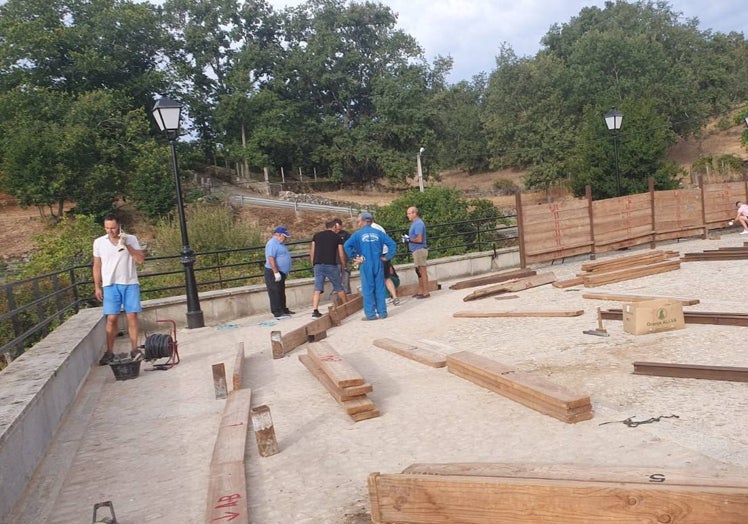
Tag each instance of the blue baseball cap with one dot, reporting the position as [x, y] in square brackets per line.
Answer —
[281, 230]
[366, 217]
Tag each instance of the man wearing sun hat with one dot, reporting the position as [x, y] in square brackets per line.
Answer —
[366, 247]
[277, 268]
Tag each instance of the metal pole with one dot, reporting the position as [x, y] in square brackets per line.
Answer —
[194, 314]
[618, 168]
[420, 172]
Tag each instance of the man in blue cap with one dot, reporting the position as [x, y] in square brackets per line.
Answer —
[277, 268]
[365, 247]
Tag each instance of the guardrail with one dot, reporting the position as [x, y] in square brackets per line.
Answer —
[31, 308]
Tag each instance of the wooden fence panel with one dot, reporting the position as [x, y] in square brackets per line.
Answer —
[556, 230]
[719, 202]
[622, 222]
[676, 212]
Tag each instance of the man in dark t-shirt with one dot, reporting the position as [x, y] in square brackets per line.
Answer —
[345, 272]
[325, 251]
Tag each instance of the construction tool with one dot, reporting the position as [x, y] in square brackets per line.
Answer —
[111, 519]
[600, 331]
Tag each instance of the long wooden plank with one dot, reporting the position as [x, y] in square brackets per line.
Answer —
[341, 373]
[570, 416]
[422, 499]
[693, 317]
[493, 314]
[339, 313]
[365, 415]
[407, 290]
[681, 477]
[420, 354]
[666, 369]
[513, 285]
[522, 382]
[493, 278]
[626, 261]
[624, 297]
[232, 433]
[569, 282]
[339, 394]
[227, 494]
[357, 405]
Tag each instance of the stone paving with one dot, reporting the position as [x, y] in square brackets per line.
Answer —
[146, 443]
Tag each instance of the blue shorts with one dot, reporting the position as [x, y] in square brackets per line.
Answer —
[330, 272]
[118, 296]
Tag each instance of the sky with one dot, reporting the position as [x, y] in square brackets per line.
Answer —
[471, 31]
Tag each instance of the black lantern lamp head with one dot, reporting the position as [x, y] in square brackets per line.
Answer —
[168, 114]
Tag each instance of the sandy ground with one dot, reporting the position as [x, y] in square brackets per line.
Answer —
[146, 443]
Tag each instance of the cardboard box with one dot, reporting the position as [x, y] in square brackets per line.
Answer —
[652, 316]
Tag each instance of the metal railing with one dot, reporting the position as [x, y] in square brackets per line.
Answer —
[31, 308]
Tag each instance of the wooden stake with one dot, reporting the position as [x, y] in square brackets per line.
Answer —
[262, 423]
[219, 380]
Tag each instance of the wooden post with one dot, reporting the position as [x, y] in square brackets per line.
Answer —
[219, 380]
[262, 423]
[520, 231]
[276, 341]
[238, 367]
[591, 214]
[703, 206]
[653, 241]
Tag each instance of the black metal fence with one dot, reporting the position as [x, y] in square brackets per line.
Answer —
[31, 308]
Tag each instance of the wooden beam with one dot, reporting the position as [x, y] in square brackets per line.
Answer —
[665, 369]
[493, 278]
[418, 353]
[623, 297]
[536, 499]
[513, 285]
[493, 314]
[693, 317]
[600, 279]
[341, 373]
[636, 259]
[219, 380]
[338, 393]
[238, 367]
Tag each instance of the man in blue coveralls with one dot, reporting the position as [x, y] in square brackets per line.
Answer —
[365, 247]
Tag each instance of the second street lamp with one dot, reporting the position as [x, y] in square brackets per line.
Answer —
[613, 120]
[168, 113]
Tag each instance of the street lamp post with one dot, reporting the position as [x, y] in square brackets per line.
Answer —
[168, 113]
[613, 119]
[420, 169]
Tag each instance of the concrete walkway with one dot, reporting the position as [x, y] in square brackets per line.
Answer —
[145, 444]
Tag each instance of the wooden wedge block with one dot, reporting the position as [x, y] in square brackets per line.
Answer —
[623, 297]
[339, 394]
[569, 282]
[533, 387]
[262, 423]
[220, 387]
[493, 278]
[533, 498]
[340, 372]
[418, 353]
[494, 314]
[513, 285]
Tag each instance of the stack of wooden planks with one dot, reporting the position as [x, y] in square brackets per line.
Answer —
[619, 269]
[529, 390]
[723, 253]
[555, 494]
[341, 380]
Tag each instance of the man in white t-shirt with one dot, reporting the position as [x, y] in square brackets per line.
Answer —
[116, 282]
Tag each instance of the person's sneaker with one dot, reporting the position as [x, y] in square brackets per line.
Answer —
[282, 317]
[107, 358]
[289, 312]
[136, 354]
[744, 232]
[367, 318]
[389, 301]
[395, 301]
[316, 313]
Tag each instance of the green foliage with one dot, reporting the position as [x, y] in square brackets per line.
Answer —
[211, 229]
[504, 186]
[723, 165]
[67, 244]
[458, 218]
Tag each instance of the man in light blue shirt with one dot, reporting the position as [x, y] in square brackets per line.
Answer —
[277, 268]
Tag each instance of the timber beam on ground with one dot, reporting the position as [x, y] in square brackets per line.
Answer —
[723, 253]
[513, 285]
[667, 369]
[557, 494]
[514, 314]
[622, 297]
[418, 353]
[693, 317]
[493, 278]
